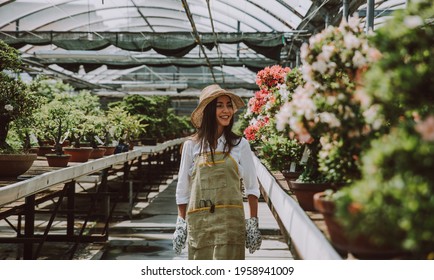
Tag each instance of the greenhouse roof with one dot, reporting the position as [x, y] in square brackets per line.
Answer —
[166, 46]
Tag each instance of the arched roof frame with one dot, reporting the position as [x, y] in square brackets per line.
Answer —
[259, 16]
[158, 16]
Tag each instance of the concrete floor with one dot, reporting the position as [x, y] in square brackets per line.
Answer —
[150, 237]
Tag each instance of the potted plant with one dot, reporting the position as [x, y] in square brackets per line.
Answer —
[391, 204]
[125, 127]
[48, 90]
[94, 135]
[326, 112]
[274, 147]
[84, 106]
[16, 101]
[56, 117]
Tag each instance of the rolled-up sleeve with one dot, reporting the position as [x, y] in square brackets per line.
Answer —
[183, 185]
[250, 178]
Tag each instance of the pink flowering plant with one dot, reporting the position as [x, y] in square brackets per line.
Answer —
[327, 112]
[277, 148]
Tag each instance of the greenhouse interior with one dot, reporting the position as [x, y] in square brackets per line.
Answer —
[338, 116]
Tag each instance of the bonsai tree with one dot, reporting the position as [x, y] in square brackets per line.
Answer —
[56, 117]
[124, 126]
[156, 113]
[84, 107]
[48, 90]
[97, 130]
[16, 99]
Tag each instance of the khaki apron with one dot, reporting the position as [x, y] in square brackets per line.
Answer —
[215, 214]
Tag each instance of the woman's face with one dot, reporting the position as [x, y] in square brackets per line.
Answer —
[224, 112]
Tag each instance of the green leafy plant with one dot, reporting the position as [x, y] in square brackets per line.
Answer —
[17, 101]
[393, 200]
[156, 113]
[123, 126]
[55, 120]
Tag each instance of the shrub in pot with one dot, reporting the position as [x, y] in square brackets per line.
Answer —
[17, 101]
[393, 200]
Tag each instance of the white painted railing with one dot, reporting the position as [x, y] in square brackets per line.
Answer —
[22, 189]
[309, 241]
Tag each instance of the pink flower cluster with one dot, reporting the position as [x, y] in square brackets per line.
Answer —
[271, 76]
[258, 101]
[251, 132]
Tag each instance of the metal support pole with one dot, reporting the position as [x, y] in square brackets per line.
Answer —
[345, 10]
[70, 220]
[326, 20]
[297, 59]
[238, 45]
[370, 15]
[29, 227]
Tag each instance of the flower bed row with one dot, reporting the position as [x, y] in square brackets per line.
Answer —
[359, 113]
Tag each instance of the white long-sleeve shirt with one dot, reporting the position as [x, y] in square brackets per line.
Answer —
[242, 155]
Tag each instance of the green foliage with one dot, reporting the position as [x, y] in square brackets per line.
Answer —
[279, 152]
[241, 123]
[122, 125]
[9, 57]
[156, 113]
[17, 101]
[393, 201]
[48, 88]
[395, 195]
[403, 80]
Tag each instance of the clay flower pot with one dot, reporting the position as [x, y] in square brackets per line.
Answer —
[58, 160]
[304, 192]
[109, 150]
[290, 176]
[97, 153]
[359, 246]
[13, 165]
[78, 154]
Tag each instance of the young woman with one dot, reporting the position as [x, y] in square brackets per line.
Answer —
[215, 163]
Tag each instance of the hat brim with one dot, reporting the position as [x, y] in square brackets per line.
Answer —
[197, 115]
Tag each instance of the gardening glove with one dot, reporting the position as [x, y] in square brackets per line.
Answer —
[180, 235]
[253, 235]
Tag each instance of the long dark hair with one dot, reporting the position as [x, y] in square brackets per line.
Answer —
[207, 132]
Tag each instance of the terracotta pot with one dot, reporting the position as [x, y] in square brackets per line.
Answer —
[327, 209]
[45, 150]
[34, 150]
[78, 154]
[359, 246]
[97, 153]
[290, 176]
[109, 150]
[304, 192]
[13, 165]
[58, 160]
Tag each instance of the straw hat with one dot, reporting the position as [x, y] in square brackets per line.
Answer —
[207, 95]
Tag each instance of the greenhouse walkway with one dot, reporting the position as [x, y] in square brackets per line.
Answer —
[150, 235]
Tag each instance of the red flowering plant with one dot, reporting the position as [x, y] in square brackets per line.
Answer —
[327, 112]
[271, 77]
[277, 149]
